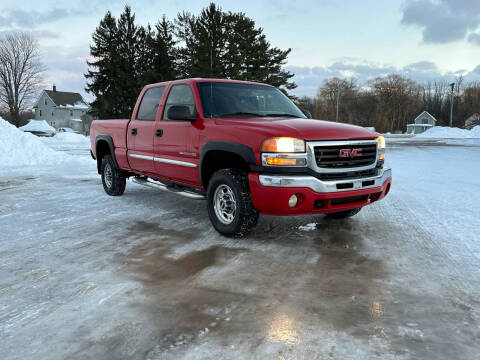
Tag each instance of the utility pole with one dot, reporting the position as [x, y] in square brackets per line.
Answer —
[338, 98]
[452, 85]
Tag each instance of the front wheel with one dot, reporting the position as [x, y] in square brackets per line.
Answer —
[230, 205]
[344, 214]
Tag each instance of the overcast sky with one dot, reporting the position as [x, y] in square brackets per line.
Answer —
[425, 39]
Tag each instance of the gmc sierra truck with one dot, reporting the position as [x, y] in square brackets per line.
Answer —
[246, 148]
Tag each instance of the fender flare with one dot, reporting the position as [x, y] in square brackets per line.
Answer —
[244, 151]
[108, 139]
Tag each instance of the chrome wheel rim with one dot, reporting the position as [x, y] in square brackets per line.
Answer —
[224, 204]
[108, 175]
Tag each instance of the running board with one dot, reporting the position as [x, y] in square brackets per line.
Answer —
[156, 185]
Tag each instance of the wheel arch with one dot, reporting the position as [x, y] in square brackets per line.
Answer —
[216, 155]
[104, 146]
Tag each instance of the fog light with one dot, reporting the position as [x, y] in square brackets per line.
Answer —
[292, 201]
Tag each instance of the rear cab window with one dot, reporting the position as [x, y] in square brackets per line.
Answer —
[148, 108]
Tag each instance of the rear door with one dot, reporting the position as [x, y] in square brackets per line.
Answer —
[174, 154]
[141, 131]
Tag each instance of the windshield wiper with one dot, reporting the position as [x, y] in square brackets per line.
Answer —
[282, 114]
[240, 113]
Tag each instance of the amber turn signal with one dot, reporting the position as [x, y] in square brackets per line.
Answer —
[281, 161]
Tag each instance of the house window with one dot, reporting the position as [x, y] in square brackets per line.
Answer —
[40, 113]
[45, 101]
[425, 121]
[52, 113]
[71, 112]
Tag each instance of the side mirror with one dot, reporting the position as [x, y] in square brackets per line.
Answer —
[307, 113]
[181, 112]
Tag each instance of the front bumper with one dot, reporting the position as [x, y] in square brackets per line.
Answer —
[270, 193]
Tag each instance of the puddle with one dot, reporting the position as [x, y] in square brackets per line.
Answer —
[179, 310]
[152, 264]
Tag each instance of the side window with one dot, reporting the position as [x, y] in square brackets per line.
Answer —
[180, 95]
[150, 102]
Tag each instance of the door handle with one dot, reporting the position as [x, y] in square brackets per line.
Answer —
[133, 132]
[159, 132]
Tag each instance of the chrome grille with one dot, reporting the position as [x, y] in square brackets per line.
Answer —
[329, 156]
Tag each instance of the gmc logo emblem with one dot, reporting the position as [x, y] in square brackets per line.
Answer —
[344, 153]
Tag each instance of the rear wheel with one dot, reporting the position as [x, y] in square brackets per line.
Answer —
[229, 204]
[344, 214]
[112, 179]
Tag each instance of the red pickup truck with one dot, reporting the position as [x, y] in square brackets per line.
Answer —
[246, 148]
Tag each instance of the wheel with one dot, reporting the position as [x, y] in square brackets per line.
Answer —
[344, 214]
[229, 203]
[113, 181]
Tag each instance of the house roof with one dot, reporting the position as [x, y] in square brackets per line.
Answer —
[425, 113]
[420, 125]
[64, 98]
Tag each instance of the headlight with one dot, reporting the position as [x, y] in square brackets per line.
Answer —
[381, 142]
[381, 147]
[283, 145]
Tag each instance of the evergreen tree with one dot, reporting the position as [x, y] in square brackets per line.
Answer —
[129, 46]
[102, 77]
[213, 44]
[159, 58]
[226, 44]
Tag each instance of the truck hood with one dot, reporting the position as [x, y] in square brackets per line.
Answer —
[306, 129]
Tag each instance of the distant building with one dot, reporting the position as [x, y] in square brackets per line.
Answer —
[61, 109]
[472, 121]
[421, 123]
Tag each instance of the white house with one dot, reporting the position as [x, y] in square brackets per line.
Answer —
[421, 123]
[61, 109]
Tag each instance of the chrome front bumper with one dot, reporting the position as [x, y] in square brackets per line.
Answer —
[320, 186]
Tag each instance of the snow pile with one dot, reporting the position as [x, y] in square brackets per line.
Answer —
[37, 125]
[67, 141]
[450, 133]
[70, 137]
[24, 149]
[475, 132]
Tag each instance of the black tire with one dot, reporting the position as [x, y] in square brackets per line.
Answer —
[244, 218]
[344, 214]
[113, 180]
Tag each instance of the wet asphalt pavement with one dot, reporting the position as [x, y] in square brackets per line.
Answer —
[144, 275]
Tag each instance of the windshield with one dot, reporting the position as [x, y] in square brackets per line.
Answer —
[226, 99]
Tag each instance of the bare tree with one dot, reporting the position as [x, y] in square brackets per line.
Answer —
[20, 72]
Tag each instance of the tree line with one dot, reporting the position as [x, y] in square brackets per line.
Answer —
[213, 44]
[390, 102]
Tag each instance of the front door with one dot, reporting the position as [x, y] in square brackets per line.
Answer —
[173, 146]
[141, 131]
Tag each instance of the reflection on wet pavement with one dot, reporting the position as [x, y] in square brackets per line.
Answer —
[282, 328]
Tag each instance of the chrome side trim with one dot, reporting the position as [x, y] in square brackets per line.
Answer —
[317, 185]
[143, 157]
[312, 163]
[187, 153]
[174, 162]
[163, 160]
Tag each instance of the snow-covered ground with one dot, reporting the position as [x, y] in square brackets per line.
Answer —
[144, 276]
[438, 135]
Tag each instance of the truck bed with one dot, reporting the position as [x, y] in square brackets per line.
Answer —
[116, 128]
